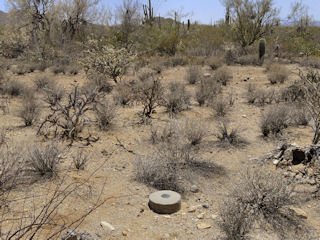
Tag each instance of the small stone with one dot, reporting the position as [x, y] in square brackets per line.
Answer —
[124, 233]
[213, 216]
[299, 212]
[194, 208]
[207, 75]
[194, 189]
[203, 226]
[205, 205]
[200, 216]
[107, 226]
[69, 235]
[310, 172]
[276, 162]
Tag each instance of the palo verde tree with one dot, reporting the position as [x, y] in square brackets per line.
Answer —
[251, 19]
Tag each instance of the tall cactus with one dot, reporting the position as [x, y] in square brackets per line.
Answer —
[148, 13]
[262, 50]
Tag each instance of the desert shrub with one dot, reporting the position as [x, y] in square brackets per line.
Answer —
[53, 93]
[21, 69]
[229, 137]
[105, 113]
[29, 111]
[73, 70]
[80, 159]
[123, 94]
[220, 107]
[179, 60]
[265, 96]
[13, 88]
[223, 75]
[145, 74]
[260, 199]
[166, 134]
[278, 74]
[44, 159]
[207, 90]
[193, 74]
[43, 81]
[230, 57]
[99, 81]
[274, 120]
[298, 116]
[214, 62]
[107, 60]
[292, 93]
[251, 93]
[68, 116]
[42, 66]
[57, 69]
[194, 130]
[176, 98]
[149, 93]
[250, 59]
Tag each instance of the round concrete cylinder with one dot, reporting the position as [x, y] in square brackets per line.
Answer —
[165, 202]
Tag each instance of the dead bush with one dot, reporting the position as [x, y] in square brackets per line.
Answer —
[265, 96]
[13, 88]
[166, 134]
[278, 74]
[179, 60]
[214, 62]
[194, 130]
[149, 93]
[261, 199]
[43, 81]
[220, 107]
[57, 69]
[231, 57]
[229, 137]
[53, 93]
[207, 90]
[292, 93]
[251, 93]
[21, 69]
[73, 70]
[44, 159]
[298, 115]
[193, 74]
[67, 117]
[123, 94]
[223, 75]
[145, 74]
[274, 120]
[176, 98]
[105, 113]
[80, 159]
[99, 81]
[29, 111]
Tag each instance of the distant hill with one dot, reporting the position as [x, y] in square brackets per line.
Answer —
[3, 17]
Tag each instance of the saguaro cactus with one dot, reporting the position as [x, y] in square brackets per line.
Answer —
[148, 13]
[262, 50]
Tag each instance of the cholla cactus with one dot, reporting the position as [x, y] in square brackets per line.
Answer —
[107, 60]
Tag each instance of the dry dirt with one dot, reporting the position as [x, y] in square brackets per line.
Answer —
[126, 208]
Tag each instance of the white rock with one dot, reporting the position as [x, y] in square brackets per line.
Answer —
[194, 189]
[275, 161]
[107, 226]
[203, 225]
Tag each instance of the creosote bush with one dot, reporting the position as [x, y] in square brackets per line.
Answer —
[193, 74]
[223, 75]
[278, 74]
[44, 159]
[29, 111]
[207, 90]
[274, 120]
[261, 198]
[176, 98]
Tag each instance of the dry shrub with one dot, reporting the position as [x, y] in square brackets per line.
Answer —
[261, 199]
[53, 93]
[223, 75]
[250, 59]
[194, 130]
[231, 56]
[167, 134]
[73, 70]
[179, 60]
[13, 88]
[214, 62]
[29, 111]
[21, 69]
[80, 159]
[274, 120]
[145, 74]
[251, 93]
[193, 74]
[298, 115]
[57, 69]
[220, 107]
[123, 94]
[105, 113]
[43, 81]
[44, 159]
[207, 90]
[292, 93]
[99, 81]
[149, 93]
[278, 74]
[265, 96]
[229, 137]
[176, 98]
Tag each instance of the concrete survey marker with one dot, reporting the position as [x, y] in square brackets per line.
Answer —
[165, 202]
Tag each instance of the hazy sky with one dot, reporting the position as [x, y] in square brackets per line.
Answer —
[205, 11]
